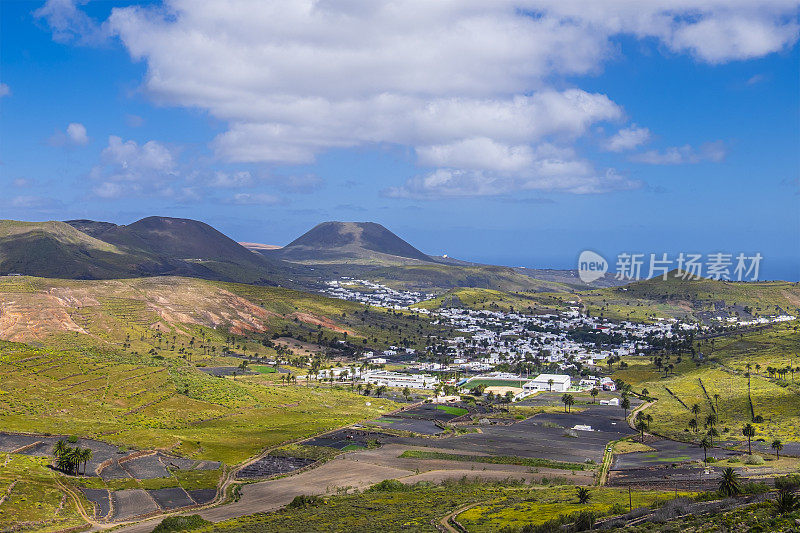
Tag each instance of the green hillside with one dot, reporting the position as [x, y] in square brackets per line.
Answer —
[56, 249]
[151, 247]
[433, 277]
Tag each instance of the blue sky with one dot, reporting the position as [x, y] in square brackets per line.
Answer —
[518, 134]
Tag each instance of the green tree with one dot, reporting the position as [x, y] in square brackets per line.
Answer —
[749, 431]
[60, 448]
[594, 392]
[641, 425]
[705, 444]
[695, 411]
[777, 445]
[565, 399]
[729, 483]
[406, 393]
[625, 404]
[85, 455]
[509, 397]
[583, 495]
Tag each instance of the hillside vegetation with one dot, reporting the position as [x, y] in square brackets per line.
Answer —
[732, 381]
[164, 403]
[640, 301]
[141, 315]
[149, 247]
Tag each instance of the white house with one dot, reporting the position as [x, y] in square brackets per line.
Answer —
[548, 382]
[397, 379]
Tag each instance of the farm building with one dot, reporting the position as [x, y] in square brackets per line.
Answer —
[549, 382]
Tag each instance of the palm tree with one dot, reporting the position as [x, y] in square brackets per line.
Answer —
[695, 411]
[641, 425]
[716, 401]
[60, 448]
[749, 431]
[729, 483]
[693, 425]
[594, 392]
[711, 419]
[583, 495]
[85, 455]
[570, 401]
[565, 401]
[705, 444]
[625, 404]
[777, 445]
[711, 434]
[550, 385]
[645, 392]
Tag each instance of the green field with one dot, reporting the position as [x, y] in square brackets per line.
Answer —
[30, 494]
[537, 506]
[449, 409]
[727, 394]
[390, 506]
[490, 382]
[494, 459]
[167, 406]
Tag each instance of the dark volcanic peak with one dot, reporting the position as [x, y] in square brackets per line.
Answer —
[177, 237]
[351, 238]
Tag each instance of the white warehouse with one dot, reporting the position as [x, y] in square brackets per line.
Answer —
[548, 382]
[397, 379]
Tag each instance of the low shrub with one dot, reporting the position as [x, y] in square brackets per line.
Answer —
[754, 460]
[755, 487]
[302, 502]
[790, 482]
[389, 485]
[180, 523]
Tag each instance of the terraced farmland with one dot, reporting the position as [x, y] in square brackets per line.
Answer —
[170, 407]
[29, 493]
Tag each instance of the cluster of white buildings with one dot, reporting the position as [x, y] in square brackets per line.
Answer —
[736, 321]
[372, 293]
[494, 337]
[567, 341]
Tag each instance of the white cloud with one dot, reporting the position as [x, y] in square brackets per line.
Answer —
[293, 80]
[33, 202]
[550, 168]
[302, 183]
[678, 155]
[5, 90]
[232, 179]
[134, 121]
[128, 168]
[76, 134]
[253, 199]
[70, 24]
[628, 139]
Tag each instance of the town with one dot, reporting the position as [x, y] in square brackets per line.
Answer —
[511, 351]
